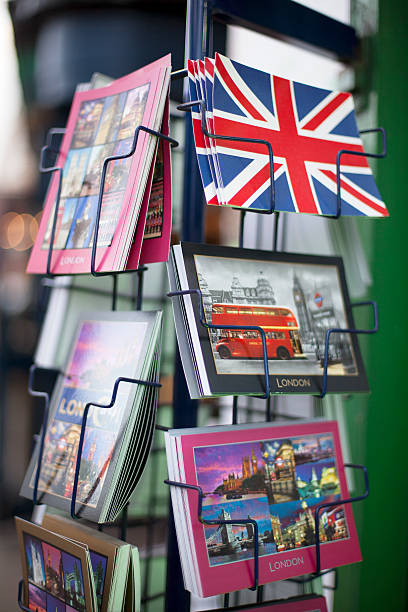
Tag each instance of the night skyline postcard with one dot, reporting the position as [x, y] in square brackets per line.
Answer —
[229, 543]
[99, 564]
[54, 604]
[215, 463]
[256, 508]
[289, 512]
[73, 581]
[53, 569]
[37, 599]
[34, 559]
[312, 443]
[104, 350]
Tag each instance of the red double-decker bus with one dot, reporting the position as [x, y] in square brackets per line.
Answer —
[279, 323]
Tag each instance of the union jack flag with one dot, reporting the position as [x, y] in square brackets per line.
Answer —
[306, 127]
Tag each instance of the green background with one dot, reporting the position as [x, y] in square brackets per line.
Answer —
[378, 424]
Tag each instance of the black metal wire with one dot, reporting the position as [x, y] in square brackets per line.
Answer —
[20, 597]
[333, 330]
[359, 154]
[247, 521]
[83, 427]
[187, 106]
[230, 327]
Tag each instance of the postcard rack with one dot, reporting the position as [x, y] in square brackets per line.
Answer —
[199, 36]
[199, 30]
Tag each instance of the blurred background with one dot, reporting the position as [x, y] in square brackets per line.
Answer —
[47, 47]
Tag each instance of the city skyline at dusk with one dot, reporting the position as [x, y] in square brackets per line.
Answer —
[214, 463]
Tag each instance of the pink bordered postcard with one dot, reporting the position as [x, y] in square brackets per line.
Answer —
[277, 475]
[102, 123]
[304, 603]
[153, 231]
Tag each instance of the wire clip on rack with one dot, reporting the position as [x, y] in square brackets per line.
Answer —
[59, 169]
[83, 427]
[247, 521]
[203, 110]
[188, 106]
[360, 154]
[334, 330]
[308, 579]
[46, 398]
[20, 597]
[230, 327]
[318, 572]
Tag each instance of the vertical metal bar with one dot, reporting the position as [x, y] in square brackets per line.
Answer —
[124, 523]
[139, 298]
[114, 291]
[226, 600]
[235, 410]
[275, 231]
[185, 409]
[268, 408]
[241, 228]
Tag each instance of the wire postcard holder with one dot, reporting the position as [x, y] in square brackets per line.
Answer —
[317, 512]
[106, 161]
[262, 333]
[187, 106]
[46, 398]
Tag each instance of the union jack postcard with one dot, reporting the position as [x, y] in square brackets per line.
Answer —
[307, 127]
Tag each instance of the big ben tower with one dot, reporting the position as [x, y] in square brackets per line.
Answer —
[301, 307]
[254, 463]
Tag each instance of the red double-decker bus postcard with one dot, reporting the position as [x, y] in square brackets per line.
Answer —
[295, 299]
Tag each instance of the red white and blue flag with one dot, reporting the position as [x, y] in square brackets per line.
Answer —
[306, 127]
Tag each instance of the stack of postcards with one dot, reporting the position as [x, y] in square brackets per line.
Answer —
[302, 603]
[306, 128]
[117, 439]
[293, 299]
[133, 214]
[276, 477]
[69, 567]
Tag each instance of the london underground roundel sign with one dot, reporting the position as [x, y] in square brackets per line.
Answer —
[318, 300]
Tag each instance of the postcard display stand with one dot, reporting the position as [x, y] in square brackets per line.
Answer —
[199, 27]
[199, 35]
[137, 303]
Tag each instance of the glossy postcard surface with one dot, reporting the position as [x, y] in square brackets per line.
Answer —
[56, 578]
[279, 483]
[305, 603]
[102, 552]
[104, 349]
[295, 299]
[152, 237]
[277, 476]
[102, 123]
[306, 128]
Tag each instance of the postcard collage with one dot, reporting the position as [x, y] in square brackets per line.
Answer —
[55, 579]
[279, 483]
[104, 127]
